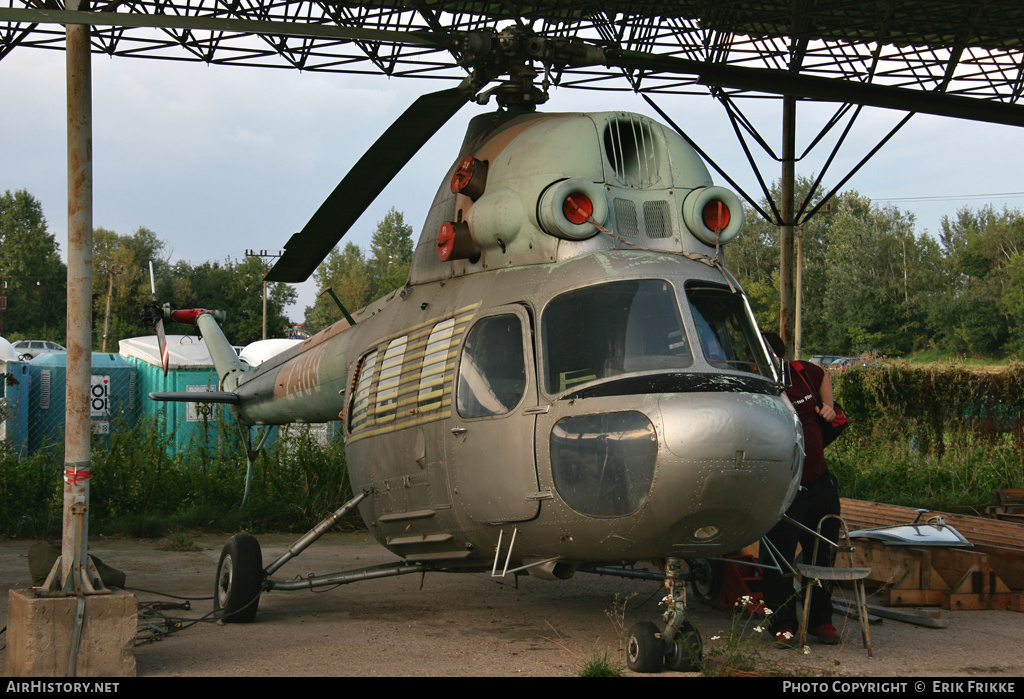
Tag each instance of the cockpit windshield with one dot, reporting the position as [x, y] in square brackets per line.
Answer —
[635, 327]
[728, 337]
[612, 329]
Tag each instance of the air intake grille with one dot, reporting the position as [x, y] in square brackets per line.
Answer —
[633, 151]
[656, 219]
[625, 217]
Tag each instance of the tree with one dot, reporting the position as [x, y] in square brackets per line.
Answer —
[980, 310]
[391, 250]
[357, 279]
[237, 288]
[32, 277]
[121, 269]
[754, 258]
[346, 273]
[880, 278]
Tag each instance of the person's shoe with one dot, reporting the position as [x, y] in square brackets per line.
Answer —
[827, 634]
[785, 638]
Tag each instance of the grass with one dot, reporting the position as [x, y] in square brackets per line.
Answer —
[937, 358]
[138, 488]
[599, 665]
[941, 439]
[960, 481]
[746, 649]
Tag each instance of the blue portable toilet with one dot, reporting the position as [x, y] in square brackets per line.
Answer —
[112, 397]
[14, 397]
[190, 369]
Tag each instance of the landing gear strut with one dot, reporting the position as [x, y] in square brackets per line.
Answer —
[678, 646]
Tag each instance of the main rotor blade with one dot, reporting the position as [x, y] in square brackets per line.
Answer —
[378, 166]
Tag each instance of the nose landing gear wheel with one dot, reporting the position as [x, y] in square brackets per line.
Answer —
[685, 652]
[239, 580]
[645, 651]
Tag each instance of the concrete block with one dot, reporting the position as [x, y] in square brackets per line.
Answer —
[40, 632]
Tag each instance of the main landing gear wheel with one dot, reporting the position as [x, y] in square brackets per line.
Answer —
[645, 651]
[685, 653]
[239, 580]
[708, 578]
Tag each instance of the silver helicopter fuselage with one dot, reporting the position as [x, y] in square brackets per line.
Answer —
[569, 367]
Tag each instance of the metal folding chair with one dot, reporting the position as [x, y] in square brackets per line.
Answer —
[833, 574]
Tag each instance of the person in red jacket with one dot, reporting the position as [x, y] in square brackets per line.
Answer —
[809, 389]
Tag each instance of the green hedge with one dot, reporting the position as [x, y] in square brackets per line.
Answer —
[941, 437]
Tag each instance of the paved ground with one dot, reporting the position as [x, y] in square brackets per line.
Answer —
[454, 625]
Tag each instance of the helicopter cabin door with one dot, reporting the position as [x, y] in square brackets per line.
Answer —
[490, 448]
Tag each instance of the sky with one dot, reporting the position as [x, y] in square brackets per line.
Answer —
[219, 160]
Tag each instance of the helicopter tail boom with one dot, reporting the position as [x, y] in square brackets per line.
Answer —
[229, 367]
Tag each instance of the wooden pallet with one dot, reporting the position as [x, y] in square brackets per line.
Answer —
[1002, 541]
[933, 577]
[981, 577]
[1009, 505]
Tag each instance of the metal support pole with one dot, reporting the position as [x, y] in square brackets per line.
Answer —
[798, 331]
[79, 357]
[787, 209]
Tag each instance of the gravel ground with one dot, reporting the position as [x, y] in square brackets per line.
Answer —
[471, 625]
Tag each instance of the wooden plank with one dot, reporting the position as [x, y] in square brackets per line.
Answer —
[922, 617]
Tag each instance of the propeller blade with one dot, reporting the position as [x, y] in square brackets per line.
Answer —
[378, 166]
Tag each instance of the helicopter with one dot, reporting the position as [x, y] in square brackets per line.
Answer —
[570, 380]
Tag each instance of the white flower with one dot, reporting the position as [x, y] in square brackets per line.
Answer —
[807, 650]
[759, 629]
[787, 635]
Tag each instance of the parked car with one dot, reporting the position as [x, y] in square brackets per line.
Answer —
[859, 363]
[825, 359]
[29, 349]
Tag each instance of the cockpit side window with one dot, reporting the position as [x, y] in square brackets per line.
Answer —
[728, 335]
[612, 329]
[492, 372]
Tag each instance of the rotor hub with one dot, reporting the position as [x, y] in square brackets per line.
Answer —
[513, 52]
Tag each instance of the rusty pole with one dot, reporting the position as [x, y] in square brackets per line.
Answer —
[79, 356]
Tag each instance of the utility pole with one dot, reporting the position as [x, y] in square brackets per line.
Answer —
[3, 301]
[264, 255]
[110, 272]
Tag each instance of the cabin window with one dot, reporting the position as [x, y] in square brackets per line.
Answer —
[492, 372]
[359, 412]
[727, 332]
[435, 358]
[390, 376]
[608, 330]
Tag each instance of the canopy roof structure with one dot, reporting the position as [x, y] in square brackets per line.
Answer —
[955, 57]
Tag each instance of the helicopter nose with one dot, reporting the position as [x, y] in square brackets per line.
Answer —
[732, 462]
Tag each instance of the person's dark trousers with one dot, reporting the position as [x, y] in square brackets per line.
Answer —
[812, 502]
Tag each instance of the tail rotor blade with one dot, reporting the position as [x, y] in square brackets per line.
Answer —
[378, 166]
[161, 339]
[158, 323]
